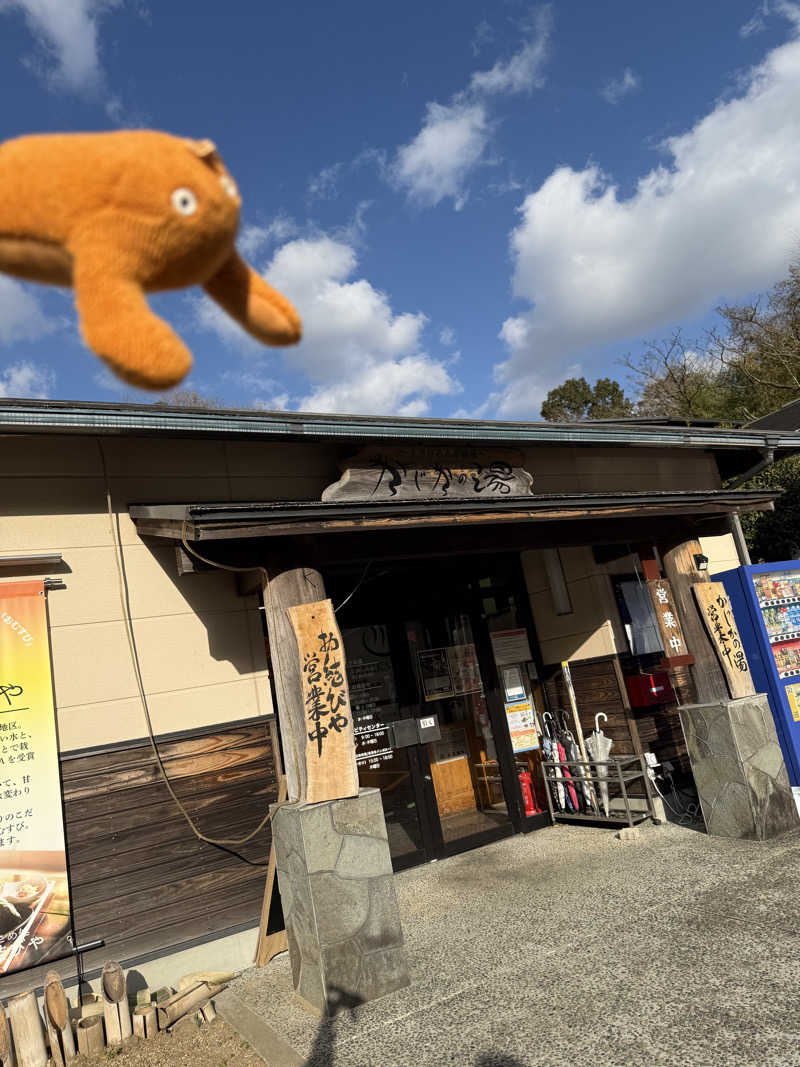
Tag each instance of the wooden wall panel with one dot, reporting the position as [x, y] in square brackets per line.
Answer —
[596, 689]
[139, 874]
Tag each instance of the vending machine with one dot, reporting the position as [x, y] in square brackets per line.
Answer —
[766, 604]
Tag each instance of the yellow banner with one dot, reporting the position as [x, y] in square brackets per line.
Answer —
[34, 890]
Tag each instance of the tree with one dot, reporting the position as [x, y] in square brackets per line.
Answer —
[576, 399]
[746, 367]
[677, 379]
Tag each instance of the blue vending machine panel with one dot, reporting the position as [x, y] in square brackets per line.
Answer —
[766, 604]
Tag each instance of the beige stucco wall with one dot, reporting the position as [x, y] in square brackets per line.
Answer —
[721, 552]
[600, 470]
[201, 645]
[592, 627]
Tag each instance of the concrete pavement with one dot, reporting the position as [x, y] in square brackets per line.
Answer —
[569, 947]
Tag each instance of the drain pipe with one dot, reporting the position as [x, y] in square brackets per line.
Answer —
[767, 459]
[742, 551]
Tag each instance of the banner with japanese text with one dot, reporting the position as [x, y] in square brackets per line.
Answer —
[34, 889]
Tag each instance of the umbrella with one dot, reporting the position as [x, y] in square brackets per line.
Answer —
[599, 747]
[550, 753]
[572, 796]
[575, 754]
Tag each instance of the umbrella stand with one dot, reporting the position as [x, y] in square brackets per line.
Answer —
[622, 770]
[578, 730]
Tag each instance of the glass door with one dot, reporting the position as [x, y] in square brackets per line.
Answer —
[433, 694]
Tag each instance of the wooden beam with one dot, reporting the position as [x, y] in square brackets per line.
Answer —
[682, 574]
[289, 581]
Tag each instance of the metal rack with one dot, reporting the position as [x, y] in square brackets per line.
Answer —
[621, 770]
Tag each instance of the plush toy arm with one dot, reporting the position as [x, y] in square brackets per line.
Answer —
[256, 306]
[118, 325]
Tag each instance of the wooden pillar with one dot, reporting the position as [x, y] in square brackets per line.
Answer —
[291, 579]
[681, 573]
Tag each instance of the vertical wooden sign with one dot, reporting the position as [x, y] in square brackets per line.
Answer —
[717, 614]
[669, 625]
[330, 749]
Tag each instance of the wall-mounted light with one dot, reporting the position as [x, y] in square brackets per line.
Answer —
[33, 559]
[701, 561]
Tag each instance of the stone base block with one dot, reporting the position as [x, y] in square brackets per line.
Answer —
[738, 768]
[337, 890]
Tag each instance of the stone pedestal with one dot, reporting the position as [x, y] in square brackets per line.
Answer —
[738, 768]
[336, 884]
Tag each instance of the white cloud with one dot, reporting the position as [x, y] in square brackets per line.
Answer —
[447, 336]
[614, 90]
[357, 353]
[483, 35]
[26, 379]
[524, 71]
[436, 164]
[21, 316]
[254, 238]
[400, 387]
[323, 186]
[67, 31]
[719, 220]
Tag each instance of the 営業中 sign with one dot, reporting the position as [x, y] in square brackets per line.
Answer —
[34, 889]
[669, 625]
[330, 742]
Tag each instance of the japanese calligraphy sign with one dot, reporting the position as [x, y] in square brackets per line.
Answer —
[669, 625]
[717, 614]
[34, 890]
[330, 748]
[431, 474]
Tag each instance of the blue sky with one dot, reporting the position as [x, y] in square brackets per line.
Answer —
[466, 201]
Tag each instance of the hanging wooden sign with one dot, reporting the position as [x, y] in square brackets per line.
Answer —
[717, 614]
[435, 473]
[330, 750]
[669, 625]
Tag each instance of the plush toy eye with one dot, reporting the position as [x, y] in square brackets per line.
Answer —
[184, 201]
[229, 185]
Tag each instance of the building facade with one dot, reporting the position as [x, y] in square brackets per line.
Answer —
[165, 534]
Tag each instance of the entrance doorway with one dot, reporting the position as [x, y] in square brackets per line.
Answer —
[430, 690]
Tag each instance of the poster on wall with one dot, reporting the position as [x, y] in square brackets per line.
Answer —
[464, 669]
[793, 696]
[522, 726]
[34, 890]
[434, 671]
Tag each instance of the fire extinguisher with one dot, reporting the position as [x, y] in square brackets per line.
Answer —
[525, 781]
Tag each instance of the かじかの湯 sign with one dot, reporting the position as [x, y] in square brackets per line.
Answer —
[330, 749]
[717, 614]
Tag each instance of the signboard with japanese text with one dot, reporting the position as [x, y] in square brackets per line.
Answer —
[433, 473]
[669, 625]
[34, 889]
[330, 749]
[717, 615]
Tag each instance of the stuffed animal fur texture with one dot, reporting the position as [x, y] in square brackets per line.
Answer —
[117, 215]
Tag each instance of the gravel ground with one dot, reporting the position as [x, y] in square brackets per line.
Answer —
[212, 1045]
[567, 947]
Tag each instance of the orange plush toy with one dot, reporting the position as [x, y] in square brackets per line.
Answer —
[117, 215]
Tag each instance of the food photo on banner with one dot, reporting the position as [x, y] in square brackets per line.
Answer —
[35, 923]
